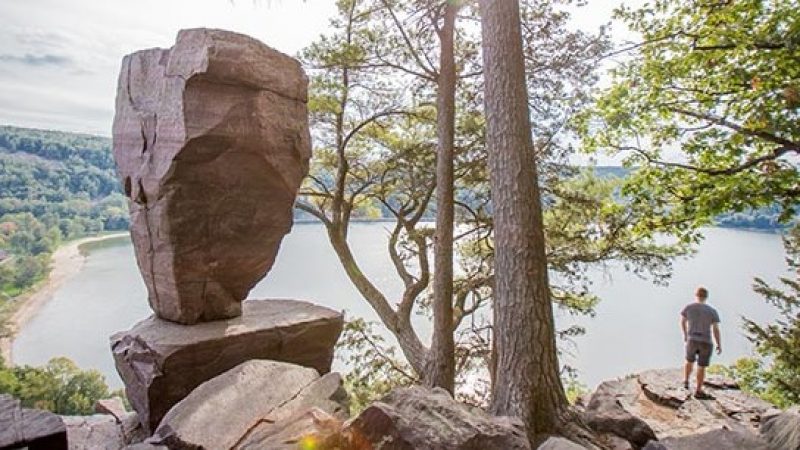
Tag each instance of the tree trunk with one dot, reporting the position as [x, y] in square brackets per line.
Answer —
[441, 364]
[527, 382]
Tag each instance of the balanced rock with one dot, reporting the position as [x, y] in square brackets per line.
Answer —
[211, 142]
[29, 428]
[161, 362]
[255, 398]
[419, 418]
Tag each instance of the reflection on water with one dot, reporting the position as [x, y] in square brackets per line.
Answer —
[636, 326]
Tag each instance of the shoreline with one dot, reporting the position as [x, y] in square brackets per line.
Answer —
[65, 263]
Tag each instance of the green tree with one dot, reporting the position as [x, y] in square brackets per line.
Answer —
[376, 140]
[707, 106]
[60, 386]
[778, 343]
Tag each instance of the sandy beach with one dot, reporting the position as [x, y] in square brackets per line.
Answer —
[65, 263]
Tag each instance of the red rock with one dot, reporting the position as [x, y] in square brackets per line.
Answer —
[260, 399]
[32, 429]
[211, 142]
[161, 362]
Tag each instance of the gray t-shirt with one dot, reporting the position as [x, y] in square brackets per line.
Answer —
[700, 317]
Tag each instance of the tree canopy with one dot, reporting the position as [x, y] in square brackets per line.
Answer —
[707, 105]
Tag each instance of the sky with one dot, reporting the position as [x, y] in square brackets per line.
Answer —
[59, 59]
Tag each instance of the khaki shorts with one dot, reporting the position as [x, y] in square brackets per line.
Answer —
[700, 351]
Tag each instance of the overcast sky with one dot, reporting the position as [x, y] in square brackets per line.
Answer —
[59, 59]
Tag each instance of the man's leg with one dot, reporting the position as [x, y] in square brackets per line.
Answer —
[701, 378]
[687, 372]
[703, 360]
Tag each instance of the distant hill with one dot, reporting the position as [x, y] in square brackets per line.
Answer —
[63, 179]
[69, 178]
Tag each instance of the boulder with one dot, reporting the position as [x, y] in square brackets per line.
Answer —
[29, 428]
[246, 404]
[113, 406]
[606, 413]
[559, 443]
[782, 430]
[97, 432]
[719, 439]
[161, 362]
[310, 428]
[420, 418]
[211, 142]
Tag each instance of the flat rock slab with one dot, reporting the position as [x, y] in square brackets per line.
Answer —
[29, 428]
[257, 396]
[211, 143]
[420, 418]
[161, 362]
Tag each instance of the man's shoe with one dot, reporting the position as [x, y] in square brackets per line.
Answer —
[686, 385]
[700, 395]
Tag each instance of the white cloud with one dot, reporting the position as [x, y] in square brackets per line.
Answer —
[59, 60]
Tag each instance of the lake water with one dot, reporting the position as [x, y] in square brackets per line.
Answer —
[636, 326]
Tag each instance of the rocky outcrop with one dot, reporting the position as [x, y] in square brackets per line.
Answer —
[211, 142]
[655, 405]
[782, 430]
[29, 428]
[419, 418]
[161, 362]
[248, 406]
[605, 412]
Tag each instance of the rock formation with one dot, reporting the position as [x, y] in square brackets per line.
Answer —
[654, 405]
[161, 362]
[29, 428]
[211, 143]
[419, 418]
[257, 398]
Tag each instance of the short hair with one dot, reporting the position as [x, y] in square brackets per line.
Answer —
[702, 292]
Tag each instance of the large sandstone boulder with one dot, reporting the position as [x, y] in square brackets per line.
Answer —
[419, 418]
[211, 142]
[29, 428]
[161, 362]
[247, 405]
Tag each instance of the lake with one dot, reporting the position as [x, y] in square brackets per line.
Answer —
[636, 326]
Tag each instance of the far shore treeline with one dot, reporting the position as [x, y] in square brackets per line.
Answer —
[57, 186]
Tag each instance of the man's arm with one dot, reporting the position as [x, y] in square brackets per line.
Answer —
[685, 327]
[716, 337]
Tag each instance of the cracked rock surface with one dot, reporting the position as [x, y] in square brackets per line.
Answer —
[211, 142]
[252, 399]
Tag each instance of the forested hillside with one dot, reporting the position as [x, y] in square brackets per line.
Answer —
[53, 186]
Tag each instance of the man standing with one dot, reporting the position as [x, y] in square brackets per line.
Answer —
[697, 321]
